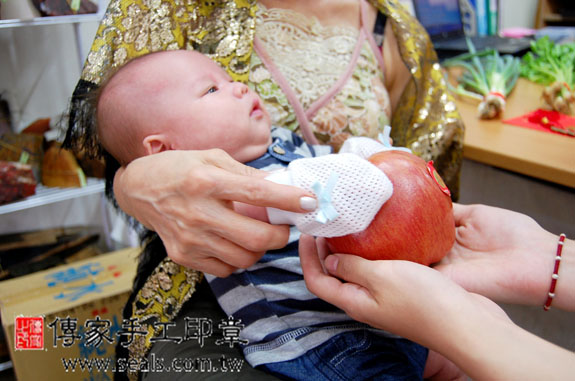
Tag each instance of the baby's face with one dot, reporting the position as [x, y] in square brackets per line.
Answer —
[202, 108]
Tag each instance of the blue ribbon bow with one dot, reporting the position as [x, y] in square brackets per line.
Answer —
[383, 138]
[326, 212]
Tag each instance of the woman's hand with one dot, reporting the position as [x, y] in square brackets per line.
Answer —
[420, 304]
[405, 298]
[505, 256]
[187, 197]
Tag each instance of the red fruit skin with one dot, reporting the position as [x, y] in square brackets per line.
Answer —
[416, 224]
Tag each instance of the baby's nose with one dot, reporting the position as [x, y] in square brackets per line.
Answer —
[240, 89]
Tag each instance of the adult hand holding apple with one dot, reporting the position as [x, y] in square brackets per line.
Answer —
[415, 224]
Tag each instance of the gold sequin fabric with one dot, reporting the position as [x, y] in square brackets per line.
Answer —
[222, 30]
[426, 120]
[159, 301]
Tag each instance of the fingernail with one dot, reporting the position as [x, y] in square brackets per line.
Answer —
[330, 263]
[308, 203]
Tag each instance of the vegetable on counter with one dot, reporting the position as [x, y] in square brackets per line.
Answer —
[552, 65]
[487, 76]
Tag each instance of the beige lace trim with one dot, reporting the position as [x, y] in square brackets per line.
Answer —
[311, 57]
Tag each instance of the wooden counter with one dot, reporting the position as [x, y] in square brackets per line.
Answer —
[534, 153]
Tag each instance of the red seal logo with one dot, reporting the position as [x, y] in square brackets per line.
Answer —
[28, 333]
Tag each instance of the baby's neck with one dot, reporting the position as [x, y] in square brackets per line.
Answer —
[250, 153]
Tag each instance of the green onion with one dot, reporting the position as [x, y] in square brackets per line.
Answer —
[487, 76]
[552, 65]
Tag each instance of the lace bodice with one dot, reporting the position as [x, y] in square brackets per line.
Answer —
[334, 75]
[311, 57]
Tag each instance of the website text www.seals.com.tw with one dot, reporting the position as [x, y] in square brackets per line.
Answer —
[154, 364]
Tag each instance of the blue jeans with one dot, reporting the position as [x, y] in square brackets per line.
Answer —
[356, 355]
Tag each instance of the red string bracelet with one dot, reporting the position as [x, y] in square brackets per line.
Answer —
[555, 275]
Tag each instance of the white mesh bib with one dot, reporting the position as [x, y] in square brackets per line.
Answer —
[362, 147]
[365, 147]
[350, 192]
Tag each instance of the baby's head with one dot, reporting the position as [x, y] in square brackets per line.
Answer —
[179, 100]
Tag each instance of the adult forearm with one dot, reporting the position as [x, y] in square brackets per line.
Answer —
[488, 346]
[508, 257]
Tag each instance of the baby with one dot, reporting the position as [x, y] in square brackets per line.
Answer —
[181, 100]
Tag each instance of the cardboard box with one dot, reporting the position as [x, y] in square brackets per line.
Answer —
[68, 317]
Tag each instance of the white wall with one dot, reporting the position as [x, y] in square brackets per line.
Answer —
[518, 13]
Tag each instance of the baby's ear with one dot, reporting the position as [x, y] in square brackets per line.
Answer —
[155, 144]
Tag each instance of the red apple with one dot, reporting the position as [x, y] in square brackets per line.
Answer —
[415, 224]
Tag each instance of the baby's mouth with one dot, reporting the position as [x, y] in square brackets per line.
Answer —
[257, 111]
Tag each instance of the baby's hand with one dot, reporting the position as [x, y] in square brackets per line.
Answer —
[256, 212]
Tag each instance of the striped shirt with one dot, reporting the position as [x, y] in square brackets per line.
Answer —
[281, 319]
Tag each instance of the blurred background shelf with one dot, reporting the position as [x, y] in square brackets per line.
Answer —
[47, 195]
[555, 13]
[21, 13]
[73, 19]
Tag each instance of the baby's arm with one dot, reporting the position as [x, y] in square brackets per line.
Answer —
[349, 190]
[255, 212]
[350, 173]
[366, 147]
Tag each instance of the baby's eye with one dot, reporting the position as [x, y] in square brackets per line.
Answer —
[212, 89]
